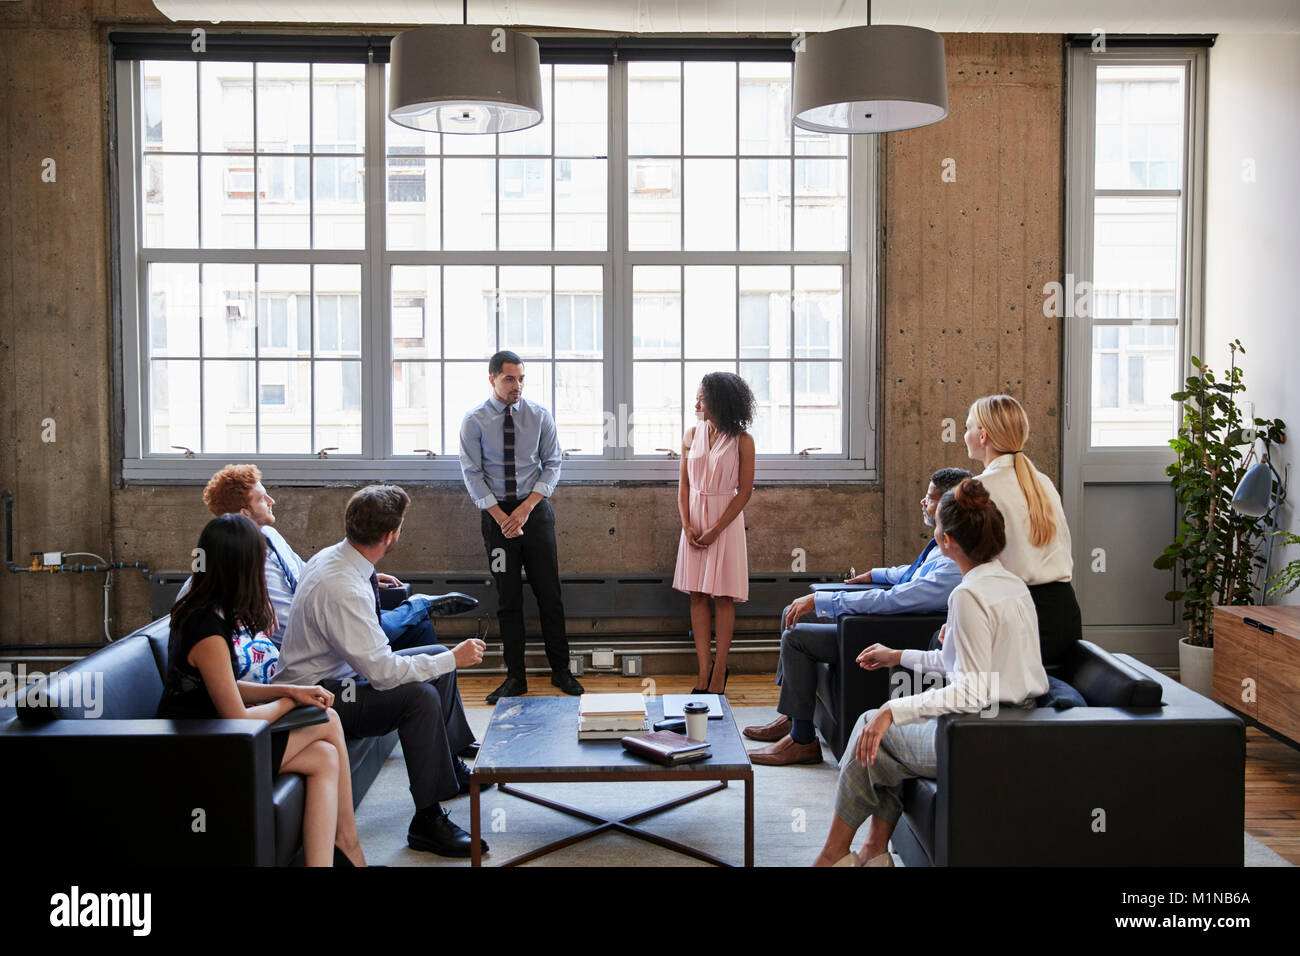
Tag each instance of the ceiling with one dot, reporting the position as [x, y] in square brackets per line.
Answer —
[773, 16]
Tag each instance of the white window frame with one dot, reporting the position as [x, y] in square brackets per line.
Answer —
[857, 463]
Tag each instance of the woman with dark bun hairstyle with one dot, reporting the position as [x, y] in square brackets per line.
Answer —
[988, 653]
[1038, 539]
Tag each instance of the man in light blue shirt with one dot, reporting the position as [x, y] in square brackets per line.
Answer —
[922, 586]
[510, 460]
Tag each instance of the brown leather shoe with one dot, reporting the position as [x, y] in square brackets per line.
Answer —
[786, 751]
[769, 732]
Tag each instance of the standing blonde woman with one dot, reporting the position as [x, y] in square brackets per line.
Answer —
[1038, 539]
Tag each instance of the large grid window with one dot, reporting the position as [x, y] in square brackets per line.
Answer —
[308, 281]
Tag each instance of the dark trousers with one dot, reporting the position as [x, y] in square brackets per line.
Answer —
[809, 643]
[534, 552]
[428, 718]
[1060, 623]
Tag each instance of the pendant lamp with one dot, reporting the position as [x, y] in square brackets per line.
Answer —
[457, 78]
[872, 79]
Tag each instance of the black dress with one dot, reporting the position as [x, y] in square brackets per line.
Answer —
[185, 696]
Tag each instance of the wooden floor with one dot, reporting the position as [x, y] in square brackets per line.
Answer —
[1272, 768]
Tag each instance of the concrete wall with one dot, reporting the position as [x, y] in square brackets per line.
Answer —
[1252, 240]
[961, 318]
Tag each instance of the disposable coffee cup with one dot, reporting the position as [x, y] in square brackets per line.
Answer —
[697, 719]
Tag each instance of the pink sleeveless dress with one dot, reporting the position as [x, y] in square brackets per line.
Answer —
[721, 569]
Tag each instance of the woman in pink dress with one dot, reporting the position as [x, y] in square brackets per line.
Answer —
[717, 478]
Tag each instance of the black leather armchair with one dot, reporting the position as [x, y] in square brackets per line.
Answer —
[844, 690]
[111, 783]
[1148, 774]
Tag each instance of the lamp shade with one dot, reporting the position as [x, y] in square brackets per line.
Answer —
[873, 79]
[465, 79]
[1254, 495]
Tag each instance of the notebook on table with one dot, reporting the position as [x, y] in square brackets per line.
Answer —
[666, 747]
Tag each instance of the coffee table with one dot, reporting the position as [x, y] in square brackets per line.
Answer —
[535, 740]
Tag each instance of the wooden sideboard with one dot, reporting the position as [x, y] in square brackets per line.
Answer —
[1257, 665]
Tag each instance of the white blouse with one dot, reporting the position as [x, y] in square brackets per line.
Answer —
[1033, 565]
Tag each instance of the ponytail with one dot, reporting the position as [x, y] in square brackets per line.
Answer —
[1007, 425]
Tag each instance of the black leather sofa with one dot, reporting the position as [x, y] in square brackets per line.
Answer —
[123, 787]
[1148, 774]
[844, 690]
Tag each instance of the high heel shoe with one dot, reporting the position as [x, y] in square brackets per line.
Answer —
[726, 672]
[705, 688]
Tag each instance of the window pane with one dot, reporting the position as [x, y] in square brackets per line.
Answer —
[710, 201]
[525, 204]
[821, 215]
[469, 208]
[338, 309]
[282, 301]
[170, 189]
[470, 323]
[174, 309]
[339, 213]
[338, 407]
[765, 120]
[229, 315]
[765, 204]
[579, 312]
[657, 411]
[581, 108]
[283, 107]
[412, 207]
[1135, 246]
[656, 312]
[654, 112]
[466, 386]
[170, 95]
[579, 407]
[338, 107]
[415, 311]
[229, 423]
[817, 407]
[764, 311]
[526, 296]
[770, 382]
[581, 198]
[710, 99]
[818, 311]
[1139, 127]
[226, 107]
[284, 403]
[226, 185]
[417, 407]
[283, 210]
[710, 312]
[654, 204]
[174, 406]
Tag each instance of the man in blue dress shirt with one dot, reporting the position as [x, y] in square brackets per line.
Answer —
[922, 586]
[510, 460]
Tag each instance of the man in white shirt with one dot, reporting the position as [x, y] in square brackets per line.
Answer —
[333, 638]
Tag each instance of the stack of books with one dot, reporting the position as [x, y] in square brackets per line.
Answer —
[611, 716]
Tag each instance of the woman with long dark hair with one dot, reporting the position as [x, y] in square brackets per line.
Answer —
[716, 480]
[227, 592]
[989, 654]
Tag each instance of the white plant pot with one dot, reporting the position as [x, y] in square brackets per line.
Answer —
[1196, 668]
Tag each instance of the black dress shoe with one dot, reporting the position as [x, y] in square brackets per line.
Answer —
[470, 751]
[566, 682]
[510, 687]
[453, 602]
[462, 780]
[435, 833]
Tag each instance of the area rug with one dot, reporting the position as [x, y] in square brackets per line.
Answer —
[793, 807]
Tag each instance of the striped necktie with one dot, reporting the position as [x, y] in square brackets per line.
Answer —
[508, 456]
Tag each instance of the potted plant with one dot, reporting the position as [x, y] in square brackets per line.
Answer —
[1215, 552]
